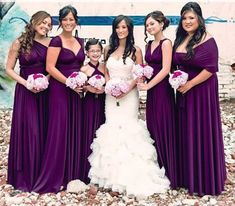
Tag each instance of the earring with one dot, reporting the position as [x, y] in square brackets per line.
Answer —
[76, 33]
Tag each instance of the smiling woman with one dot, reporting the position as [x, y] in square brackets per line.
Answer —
[65, 55]
[29, 118]
[200, 150]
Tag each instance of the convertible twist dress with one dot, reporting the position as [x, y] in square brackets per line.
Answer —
[29, 124]
[201, 158]
[160, 115]
[62, 158]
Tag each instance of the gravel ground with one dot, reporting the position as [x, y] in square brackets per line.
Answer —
[9, 196]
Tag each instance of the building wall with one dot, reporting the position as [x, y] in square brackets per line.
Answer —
[220, 22]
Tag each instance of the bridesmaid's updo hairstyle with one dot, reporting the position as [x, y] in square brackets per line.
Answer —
[91, 42]
[181, 34]
[158, 16]
[65, 11]
[26, 38]
[114, 40]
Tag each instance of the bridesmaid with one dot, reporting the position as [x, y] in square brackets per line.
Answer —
[200, 147]
[160, 106]
[93, 104]
[29, 117]
[61, 162]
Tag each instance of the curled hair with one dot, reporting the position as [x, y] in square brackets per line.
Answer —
[181, 34]
[65, 11]
[91, 42]
[26, 38]
[158, 16]
[114, 40]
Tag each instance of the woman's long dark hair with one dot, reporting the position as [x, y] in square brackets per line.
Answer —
[181, 34]
[158, 16]
[114, 40]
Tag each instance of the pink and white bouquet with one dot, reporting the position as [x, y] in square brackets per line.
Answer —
[76, 79]
[178, 78]
[37, 81]
[97, 81]
[116, 87]
[142, 70]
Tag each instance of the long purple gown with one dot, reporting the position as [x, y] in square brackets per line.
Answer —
[200, 148]
[62, 157]
[160, 115]
[93, 109]
[29, 124]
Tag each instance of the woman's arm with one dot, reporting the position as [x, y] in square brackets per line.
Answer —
[52, 57]
[201, 77]
[11, 62]
[166, 66]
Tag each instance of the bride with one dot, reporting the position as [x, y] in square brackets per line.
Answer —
[123, 157]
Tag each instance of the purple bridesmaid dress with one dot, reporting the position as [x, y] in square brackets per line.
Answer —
[29, 124]
[160, 115]
[62, 157]
[93, 109]
[200, 150]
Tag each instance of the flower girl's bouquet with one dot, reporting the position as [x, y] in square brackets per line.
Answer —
[116, 87]
[141, 70]
[37, 81]
[97, 81]
[76, 79]
[178, 78]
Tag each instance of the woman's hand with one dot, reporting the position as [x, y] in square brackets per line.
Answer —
[35, 91]
[91, 89]
[78, 89]
[140, 80]
[143, 87]
[100, 91]
[186, 87]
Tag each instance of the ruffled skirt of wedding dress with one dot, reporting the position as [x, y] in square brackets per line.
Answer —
[123, 156]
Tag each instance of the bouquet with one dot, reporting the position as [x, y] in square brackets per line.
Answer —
[97, 81]
[37, 81]
[178, 78]
[141, 70]
[76, 79]
[116, 87]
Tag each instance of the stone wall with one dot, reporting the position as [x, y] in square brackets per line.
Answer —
[226, 78]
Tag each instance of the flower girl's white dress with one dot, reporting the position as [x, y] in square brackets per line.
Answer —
[123, 156]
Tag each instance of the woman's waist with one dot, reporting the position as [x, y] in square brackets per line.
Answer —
[125, 78]
[66, 71]
[25, 72]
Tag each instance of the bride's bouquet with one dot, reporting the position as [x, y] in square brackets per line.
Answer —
[37, 81]
[142, 70]
[116, 87]
[178, 78]
[97, 81]
[76, 79]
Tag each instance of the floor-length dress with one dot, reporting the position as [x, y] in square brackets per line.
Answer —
[29, 124]
[200, 148]
[160, 115]
[93, 117]
[62, 158]
[123, 157]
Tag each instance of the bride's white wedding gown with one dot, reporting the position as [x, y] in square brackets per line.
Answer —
[123, 156]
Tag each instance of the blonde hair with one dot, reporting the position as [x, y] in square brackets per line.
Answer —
[26, 38]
